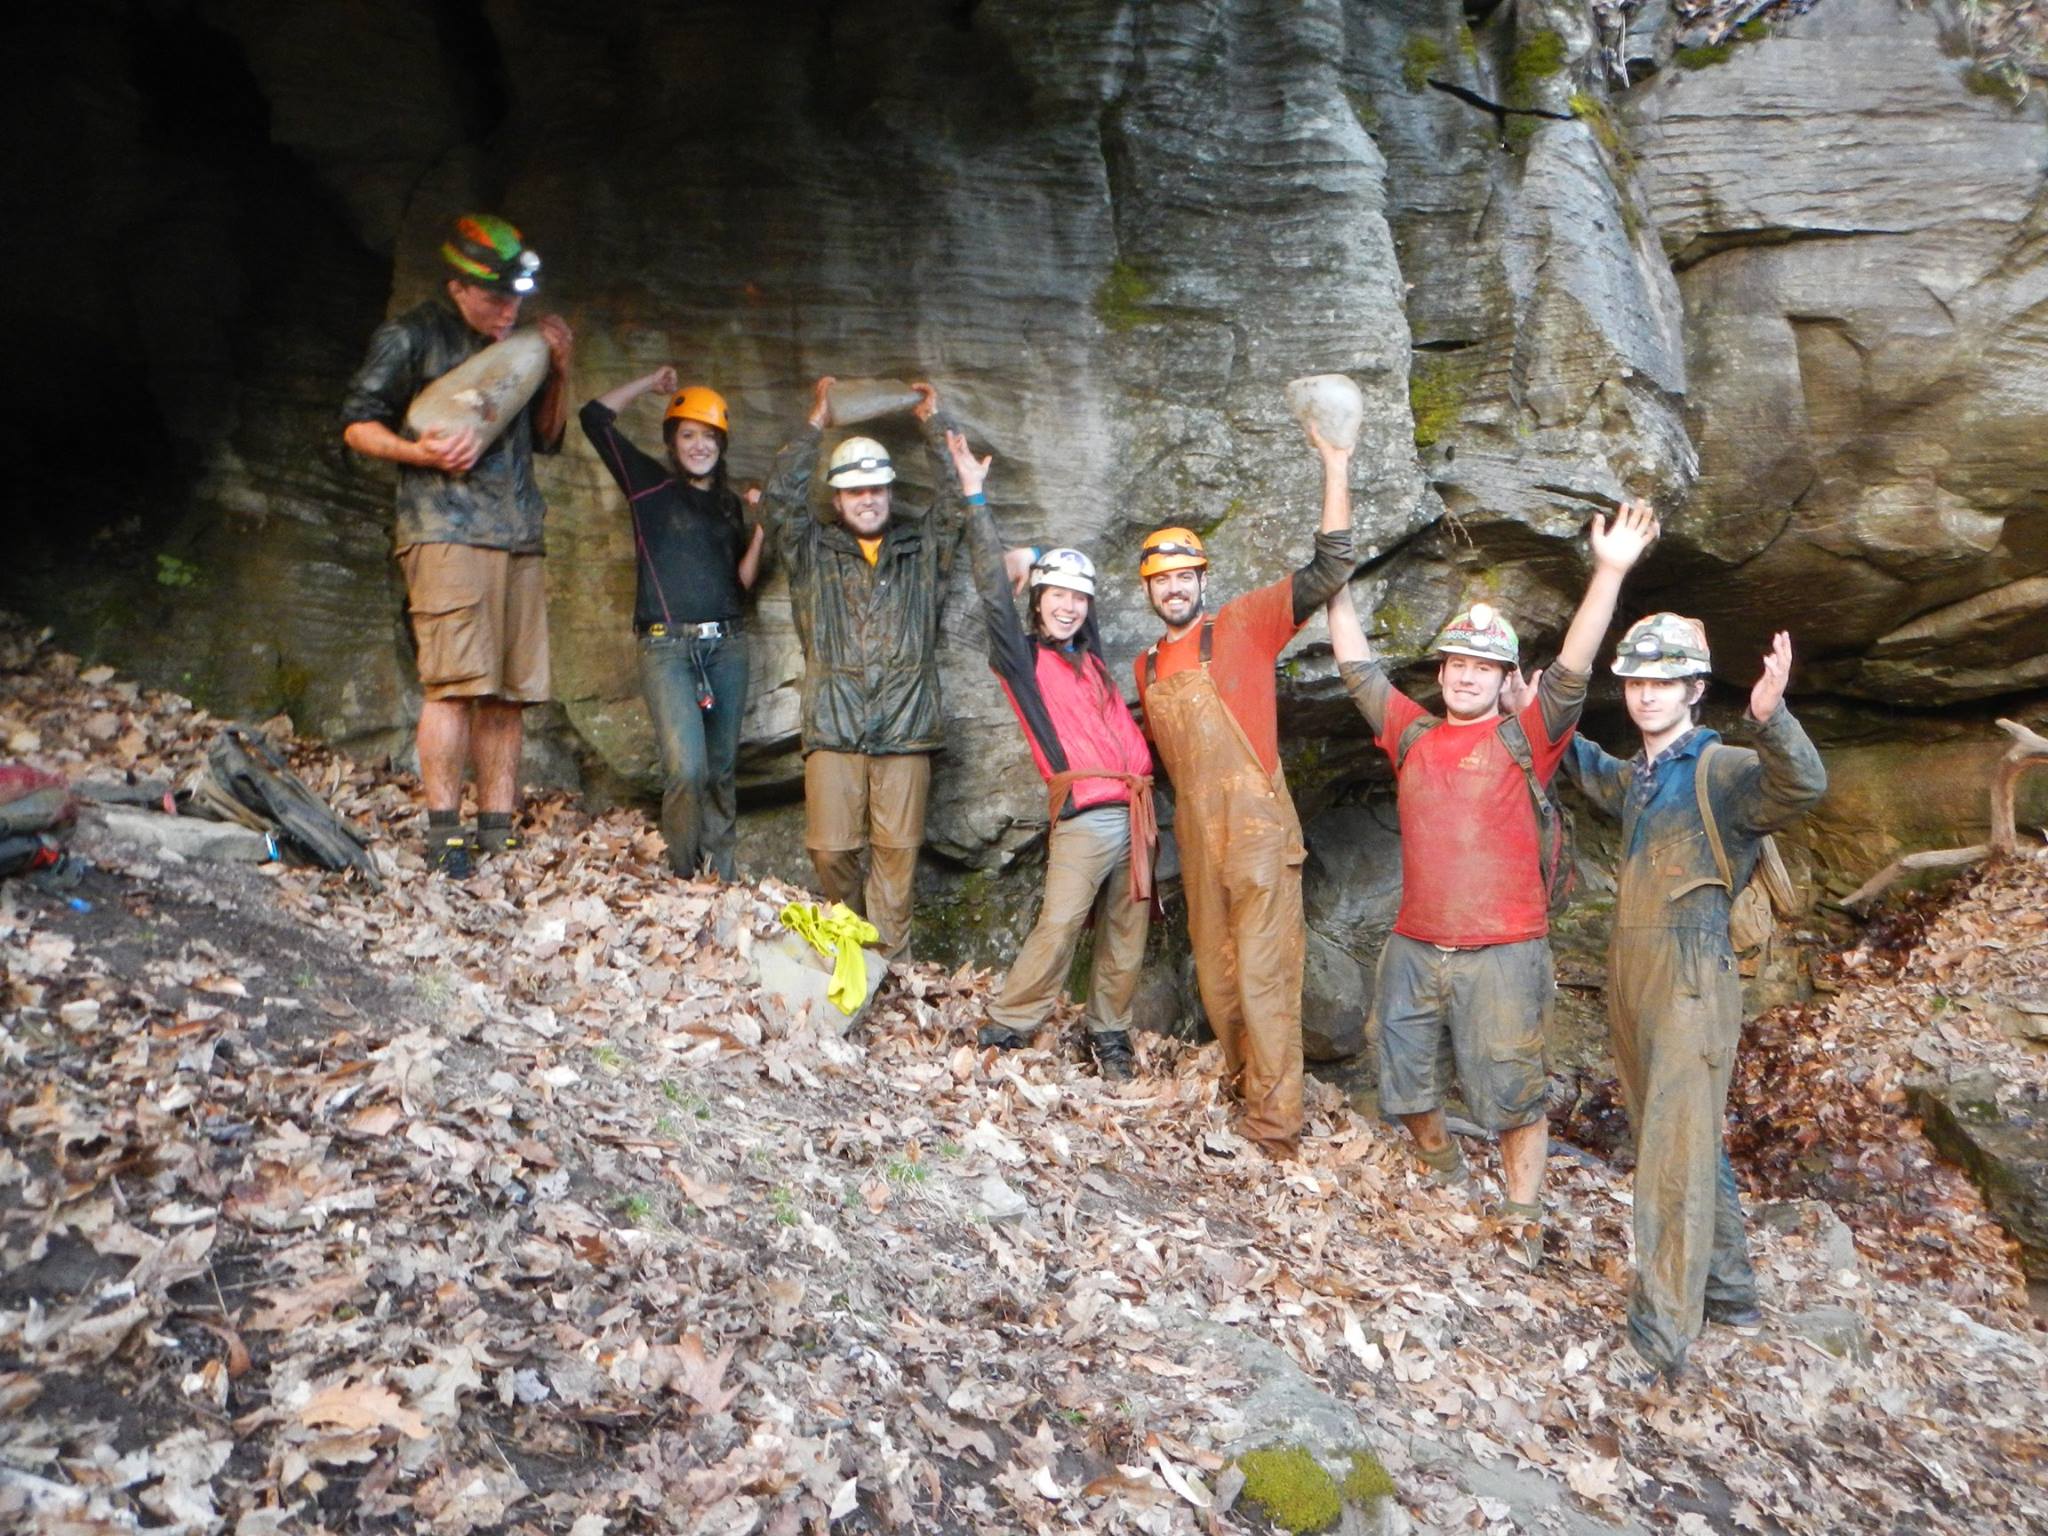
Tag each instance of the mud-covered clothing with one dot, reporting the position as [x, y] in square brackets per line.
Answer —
[1674, 1001]
[687, 542]
[1668, 876]
[1471, 860]
[1086, 872]
[1480, 1012]
[1212, 710]
[851, 800]
[698, 743]
[479, 622]
[869, 632]
[1074, 716]
[1250, 633]
[496, 503]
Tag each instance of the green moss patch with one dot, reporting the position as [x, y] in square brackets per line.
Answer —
[1291, 1487]
[1704, 55]
[1368, 1479]
[1437, 387]
[1120, 303]
[1534, 62]
[1421, 57]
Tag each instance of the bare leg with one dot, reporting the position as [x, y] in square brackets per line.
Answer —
[1524, 1151]
[443, 738]
[1428, 1130]
[495, 737]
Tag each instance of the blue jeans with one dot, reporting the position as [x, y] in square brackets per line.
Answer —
[699, 746]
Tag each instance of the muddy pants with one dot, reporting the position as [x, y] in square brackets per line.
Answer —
[853, 800]
[1675, 1003]
[1240, 860]
[1086, 870]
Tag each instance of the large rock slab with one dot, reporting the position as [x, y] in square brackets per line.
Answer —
[1999, 1132]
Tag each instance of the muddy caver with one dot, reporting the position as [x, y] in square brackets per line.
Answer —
[1466, 974]
[864, 590]
[1208, 690]
[1692, 812]
[1098, 770]
[468, 534]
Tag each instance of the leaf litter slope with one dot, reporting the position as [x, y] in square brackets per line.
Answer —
[511, 1207]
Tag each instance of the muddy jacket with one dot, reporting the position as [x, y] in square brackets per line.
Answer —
[497, 504]
[1668, 879]
[869, 632]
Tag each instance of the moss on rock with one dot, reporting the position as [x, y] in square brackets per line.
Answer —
[1703, 55]
[1421, 57]
[1291, 1487]
[1437, 387]
[1534, 62]
[1120, 301]
[1368, 1479]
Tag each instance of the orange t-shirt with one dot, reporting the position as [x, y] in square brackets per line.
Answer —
[1250, 633]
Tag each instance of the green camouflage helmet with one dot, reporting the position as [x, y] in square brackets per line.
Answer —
[1481, 632]
[1664, 645]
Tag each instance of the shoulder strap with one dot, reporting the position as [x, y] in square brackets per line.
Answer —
[1208, 632]
[1410, 735]
[1152, 653]
[1701, 789]
[1516, 740]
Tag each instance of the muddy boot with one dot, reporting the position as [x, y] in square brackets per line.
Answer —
[1742, 1316]
[1002, 1037]
[495, 834]
[1114, 1061]
[448, 846]
[1521, 1233]
[1446, 1167]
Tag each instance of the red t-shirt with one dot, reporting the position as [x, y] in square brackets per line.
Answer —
[1471, 871]
[1251, 632]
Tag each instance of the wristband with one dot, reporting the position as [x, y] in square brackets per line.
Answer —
[977, 499]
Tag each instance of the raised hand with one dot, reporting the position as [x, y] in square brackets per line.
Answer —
[927, 401]
[663, 379]
[973, 472]
[1017, 566]
[1769, 693]
[1515, 692]
[821, 402]
[1327, 450]
[1619, 543]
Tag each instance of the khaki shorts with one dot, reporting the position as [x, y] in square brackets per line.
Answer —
[479, 621]
[1481, 1011]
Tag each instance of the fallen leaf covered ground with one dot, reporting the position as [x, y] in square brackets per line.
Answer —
[510, 1206]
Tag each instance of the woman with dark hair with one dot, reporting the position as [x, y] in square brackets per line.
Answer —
[695, 560]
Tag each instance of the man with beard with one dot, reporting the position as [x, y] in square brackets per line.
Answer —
[1209, 695]
[1466, 975]
[1099, 775]
[1693, 813]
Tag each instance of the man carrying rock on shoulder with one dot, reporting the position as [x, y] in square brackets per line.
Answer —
[468, 534]
[864, 589]
[1466, 973]
[1211, 705]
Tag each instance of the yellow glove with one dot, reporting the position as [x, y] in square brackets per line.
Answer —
[838, 932]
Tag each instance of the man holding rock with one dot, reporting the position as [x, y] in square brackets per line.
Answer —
[1693, 813]
[864, 589]
[1209, 694]
[468, 533]
[1466, 973]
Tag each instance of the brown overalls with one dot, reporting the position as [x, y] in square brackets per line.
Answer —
[1240, 858]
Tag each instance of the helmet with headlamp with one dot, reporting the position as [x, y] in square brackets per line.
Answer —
[491, 253]
[1664, 645]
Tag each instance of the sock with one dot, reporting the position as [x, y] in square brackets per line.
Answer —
[443, 821]
[494, 821]
[1443, 1159]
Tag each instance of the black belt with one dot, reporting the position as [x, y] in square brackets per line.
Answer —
[712, 629]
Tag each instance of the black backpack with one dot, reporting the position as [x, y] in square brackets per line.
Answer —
[1556, 848]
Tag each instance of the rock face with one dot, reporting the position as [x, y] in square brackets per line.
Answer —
[1795, 295]
[1999, 1132]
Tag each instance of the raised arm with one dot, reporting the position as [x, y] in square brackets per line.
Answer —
[1617, 546]
[1602, 778]
[551, 409]
[1009, 645]
[618, 398]
[948, 515]
[1347, 635]
[785, 502]
[1789, 775]
[633, 470]
[1330, 567]
[1364, 678]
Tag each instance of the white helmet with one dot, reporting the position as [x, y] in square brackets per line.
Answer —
[1067, 568]
[857, 462]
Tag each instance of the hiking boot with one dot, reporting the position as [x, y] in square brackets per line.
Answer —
[1521, 1233]
[448, 854]
[1114, 1062]
[1742, 1316]
[488, 840]
[1002, 1037]
[1629, 1367]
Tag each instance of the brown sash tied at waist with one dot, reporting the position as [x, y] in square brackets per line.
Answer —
[1144, 818]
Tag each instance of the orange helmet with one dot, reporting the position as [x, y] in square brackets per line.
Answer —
[1171, 549]
[697, 403]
